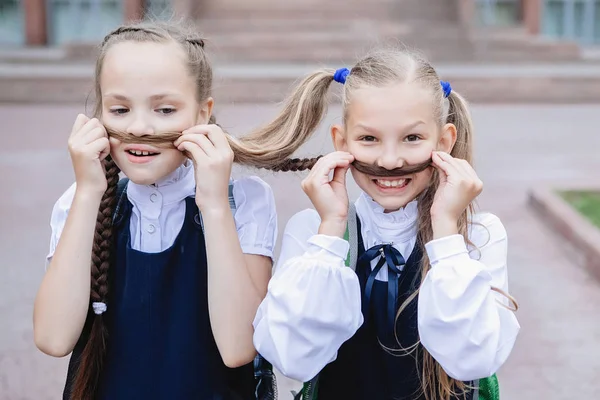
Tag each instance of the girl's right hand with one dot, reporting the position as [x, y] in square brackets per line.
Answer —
[330, 197]
[88, 146]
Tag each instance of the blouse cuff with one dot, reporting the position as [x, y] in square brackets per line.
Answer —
[452, 246]
[324, 246]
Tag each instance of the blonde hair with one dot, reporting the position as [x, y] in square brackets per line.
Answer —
[304, 110]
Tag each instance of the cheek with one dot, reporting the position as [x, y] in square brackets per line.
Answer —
[423, 178]
[173, 157]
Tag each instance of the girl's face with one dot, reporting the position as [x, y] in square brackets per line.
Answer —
[392, 127]
[147, 89]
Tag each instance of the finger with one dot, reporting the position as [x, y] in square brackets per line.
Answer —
[200, 140]
[339, 175]
[197, 130]
[80, 121]
[95, 133]
[217, 137]
[323, 173]
[114, 141]
[442, 164]
[100, 146]
[194, 151]
[89, 125]
[185, 135]
[341, 155]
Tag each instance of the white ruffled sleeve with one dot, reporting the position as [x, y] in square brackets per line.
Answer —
[255, 216]
[461, 322]
[313, 304]
[58, 218]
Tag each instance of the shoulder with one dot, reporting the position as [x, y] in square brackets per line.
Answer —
[252, 187]
[303, 224]
[486, 228]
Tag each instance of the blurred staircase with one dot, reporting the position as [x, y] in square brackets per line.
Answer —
[261, 48]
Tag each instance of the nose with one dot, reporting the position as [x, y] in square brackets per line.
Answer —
[390, 159]
[139, 127]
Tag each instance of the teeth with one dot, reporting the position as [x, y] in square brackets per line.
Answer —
[140, 152]
[387, 183]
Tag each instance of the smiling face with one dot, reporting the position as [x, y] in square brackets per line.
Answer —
[392, 127]
[147, 88]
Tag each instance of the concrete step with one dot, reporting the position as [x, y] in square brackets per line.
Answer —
[258, 83]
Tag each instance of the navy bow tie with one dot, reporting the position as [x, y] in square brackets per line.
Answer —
[391, 257]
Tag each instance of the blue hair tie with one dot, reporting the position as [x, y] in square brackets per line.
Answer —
[340, 75]
[446, 87]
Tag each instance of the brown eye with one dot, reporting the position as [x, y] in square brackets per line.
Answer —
[119, 110]
[412, 138]
[368, 138]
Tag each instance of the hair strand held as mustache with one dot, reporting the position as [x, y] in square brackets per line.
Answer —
[374, 170]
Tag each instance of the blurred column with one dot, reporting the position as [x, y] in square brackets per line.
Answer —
[466, 10]
[532, 14]
[36, 28]
[133, 10]
[183, 8]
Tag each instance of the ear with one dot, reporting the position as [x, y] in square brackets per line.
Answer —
[205, 111]
[339, 138]
[447, 138]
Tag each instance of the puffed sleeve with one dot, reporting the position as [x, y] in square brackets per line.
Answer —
[58, 218]
[462, 322]
[255, 216]
[313, 302]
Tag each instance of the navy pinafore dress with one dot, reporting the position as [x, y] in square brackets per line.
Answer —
[160, 342]
[363, 369]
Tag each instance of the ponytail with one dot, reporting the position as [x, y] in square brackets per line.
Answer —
[271, 146]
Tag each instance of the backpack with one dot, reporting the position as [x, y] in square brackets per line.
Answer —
[485, 389]
[266, 384]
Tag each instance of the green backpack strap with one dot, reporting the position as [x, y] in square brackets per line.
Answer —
[487, 388]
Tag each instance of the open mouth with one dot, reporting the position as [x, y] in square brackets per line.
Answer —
[392, 183]
[140, 153]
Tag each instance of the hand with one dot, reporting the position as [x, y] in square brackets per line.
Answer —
[88, 146]
[458, 186]
[209, 149]
[330, 197]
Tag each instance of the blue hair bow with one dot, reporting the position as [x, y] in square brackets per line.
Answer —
[340, 75]
[446, 87]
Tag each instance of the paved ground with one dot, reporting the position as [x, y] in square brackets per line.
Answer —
[556, 357]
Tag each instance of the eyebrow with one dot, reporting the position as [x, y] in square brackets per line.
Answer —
[153, 97]
[404, 129]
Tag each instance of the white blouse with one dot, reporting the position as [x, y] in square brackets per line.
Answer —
[313, 303]
[158, 213]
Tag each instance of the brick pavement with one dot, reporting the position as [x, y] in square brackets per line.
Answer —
[556, 356]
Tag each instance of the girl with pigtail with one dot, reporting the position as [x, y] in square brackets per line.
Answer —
[168, 311]
[423, 312]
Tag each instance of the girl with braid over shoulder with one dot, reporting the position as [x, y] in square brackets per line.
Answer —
[177, 273]
[416, 306]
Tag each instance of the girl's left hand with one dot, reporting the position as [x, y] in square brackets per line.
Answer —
[459, 185]
[209, 149]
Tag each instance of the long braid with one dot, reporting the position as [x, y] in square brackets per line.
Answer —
[295, 164]
[92, 357]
